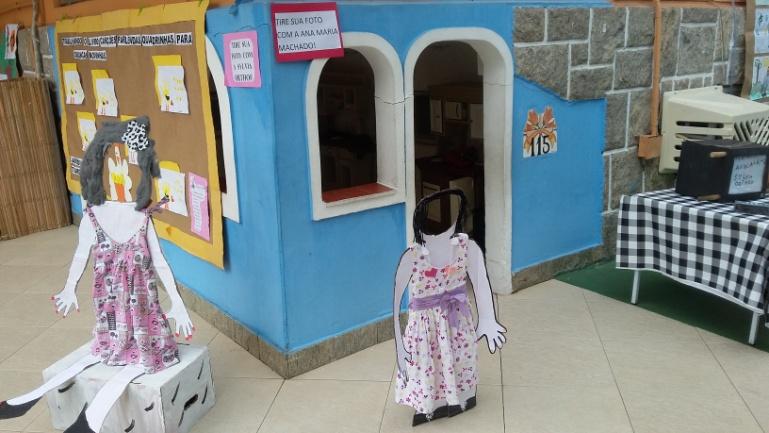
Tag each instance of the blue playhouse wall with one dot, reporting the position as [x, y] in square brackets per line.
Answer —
[295, 281]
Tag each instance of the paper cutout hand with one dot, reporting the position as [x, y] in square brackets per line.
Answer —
[494, 333]
[404, 359]
[64, 301]
[184, 325]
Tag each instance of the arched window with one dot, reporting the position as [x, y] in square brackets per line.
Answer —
[354, 108]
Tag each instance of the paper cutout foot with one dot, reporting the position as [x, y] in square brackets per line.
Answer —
[444, 412]
[81, 424]
[8, 411]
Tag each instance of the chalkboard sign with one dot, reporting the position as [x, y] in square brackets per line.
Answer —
[722, 170]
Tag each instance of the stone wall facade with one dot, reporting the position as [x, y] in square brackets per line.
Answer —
[581, 53]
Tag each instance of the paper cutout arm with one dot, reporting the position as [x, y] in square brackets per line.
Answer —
[177, 312]
[66, 299]
[402, 278]
[487, 320]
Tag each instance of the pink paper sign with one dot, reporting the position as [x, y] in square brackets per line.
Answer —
[199, 220]
[241, 60]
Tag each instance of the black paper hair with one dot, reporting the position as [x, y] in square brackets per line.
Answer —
[91, 170]
[420, 212]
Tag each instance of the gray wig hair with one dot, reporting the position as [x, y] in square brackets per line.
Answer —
[91, 170]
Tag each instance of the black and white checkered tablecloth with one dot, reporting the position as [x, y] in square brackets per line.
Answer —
[703, 242]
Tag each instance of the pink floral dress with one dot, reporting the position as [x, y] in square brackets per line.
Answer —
[440, 334]
[131, 328]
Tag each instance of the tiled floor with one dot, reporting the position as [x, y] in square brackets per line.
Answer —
[574, 362]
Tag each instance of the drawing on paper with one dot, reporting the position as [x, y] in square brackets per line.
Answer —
[86, 125]
[72, 86]
[171, 184]
[119, 179]
[106, 101]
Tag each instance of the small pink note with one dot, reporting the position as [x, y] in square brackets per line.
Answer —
[241, 60]
[199, 220]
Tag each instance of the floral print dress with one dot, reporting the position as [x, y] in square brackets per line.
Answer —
[131, 328]
[440, 335]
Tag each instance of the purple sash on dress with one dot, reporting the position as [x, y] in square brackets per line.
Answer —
[451, 302]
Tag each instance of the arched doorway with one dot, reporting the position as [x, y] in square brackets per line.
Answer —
[495, 65]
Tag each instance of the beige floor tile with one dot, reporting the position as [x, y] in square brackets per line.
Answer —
[241, 405]
[489, 365]
[748, 369]
[556, 409]
[592, 297]
[692, 408]
[53, 255]
[620, 321]
[47, 348]
[546, 318]
[534, 361]
[327, 406]
[232, 361]
[18, 279]
[486, 417]
[376, 364]
[53, 247]
[13, 339]
[551, 290]
[640, 360]
[55, 281]
[15, 383]
[42, 424]
[29, 309]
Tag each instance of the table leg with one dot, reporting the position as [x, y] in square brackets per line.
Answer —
[636, 283]
[753, 329]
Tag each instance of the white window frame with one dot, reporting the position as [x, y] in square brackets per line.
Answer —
[389, 107]
[230, 204]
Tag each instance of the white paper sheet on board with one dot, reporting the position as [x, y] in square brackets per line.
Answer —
[106, 101]
[73, 88]
[87, 129]
[171, 183]
[173, 93]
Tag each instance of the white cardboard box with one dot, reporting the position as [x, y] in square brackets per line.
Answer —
[170, 401]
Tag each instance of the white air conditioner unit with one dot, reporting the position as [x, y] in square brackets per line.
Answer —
[708, 113]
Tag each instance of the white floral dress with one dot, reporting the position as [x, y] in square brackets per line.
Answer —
[440, 335]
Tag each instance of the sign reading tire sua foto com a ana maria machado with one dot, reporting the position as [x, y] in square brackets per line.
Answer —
[306, 31]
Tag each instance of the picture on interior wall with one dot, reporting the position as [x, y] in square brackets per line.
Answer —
[11, 32]
[540, 136]
[759, 85]
[761, 31]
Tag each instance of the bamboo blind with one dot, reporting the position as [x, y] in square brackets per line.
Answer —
[33, 196]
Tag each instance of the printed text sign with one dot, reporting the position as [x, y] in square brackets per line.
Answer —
[306, 31]
[241, 60]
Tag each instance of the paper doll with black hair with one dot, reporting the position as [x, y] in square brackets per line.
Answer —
[131, 329]
[437, 354]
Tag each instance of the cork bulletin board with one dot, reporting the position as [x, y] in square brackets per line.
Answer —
[151, 62]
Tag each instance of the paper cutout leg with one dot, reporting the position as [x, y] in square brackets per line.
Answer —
[92, 418]
[18, 406]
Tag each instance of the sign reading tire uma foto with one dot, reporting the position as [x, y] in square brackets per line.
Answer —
[305, 31]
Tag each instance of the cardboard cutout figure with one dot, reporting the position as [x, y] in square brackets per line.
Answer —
[131, 330]
[437, 355]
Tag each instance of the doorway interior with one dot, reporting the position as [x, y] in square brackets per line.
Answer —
[448, 134]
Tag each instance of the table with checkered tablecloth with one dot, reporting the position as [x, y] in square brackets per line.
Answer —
[706, 245]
